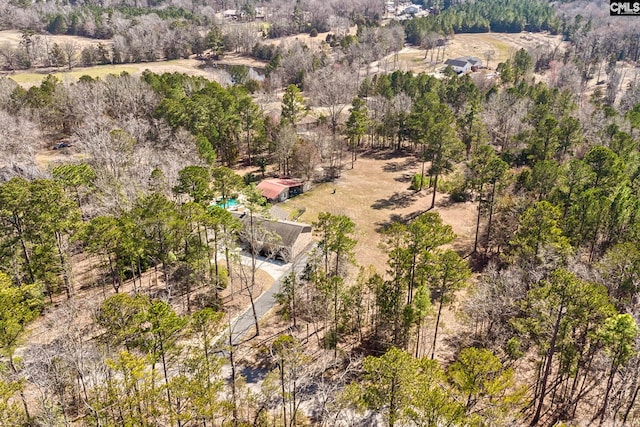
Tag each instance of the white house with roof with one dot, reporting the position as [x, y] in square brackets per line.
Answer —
[464, 63]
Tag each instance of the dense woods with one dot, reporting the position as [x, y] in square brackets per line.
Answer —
[502, 16]
[530, 321]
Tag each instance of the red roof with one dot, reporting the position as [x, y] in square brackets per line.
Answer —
[270, 189]
[287, 182]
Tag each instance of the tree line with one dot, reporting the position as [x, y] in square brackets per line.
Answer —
[500, 16]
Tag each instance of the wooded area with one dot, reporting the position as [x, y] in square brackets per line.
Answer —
[545, 298]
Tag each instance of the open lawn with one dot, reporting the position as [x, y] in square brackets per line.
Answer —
[375, 193]
[13, 39]
[191, 67]
[498, 47]
[187, 66]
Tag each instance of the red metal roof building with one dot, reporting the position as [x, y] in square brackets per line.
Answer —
[280, 189]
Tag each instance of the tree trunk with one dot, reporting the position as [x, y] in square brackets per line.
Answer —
[475, 242]
[114, 281]
[413, 277]
[166, 375]
[605, 401]
[22, 396]
[631, 405]
[284, 399]
[293, 301]
[435, 332]
[249, 144]
[253, 275]
[294, 408]
[418, 330]
[393, 404]
[335, 319]
[23, 244]
[547, 368]
[396, 307]
[63, 264]
[233, 381]
[435, 189]
[488, 234]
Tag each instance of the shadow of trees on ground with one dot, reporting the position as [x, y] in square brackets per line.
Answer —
[253, 375]
[399, 165]
[405, 177]
[397, 200]
[385, 153]
[382, 225]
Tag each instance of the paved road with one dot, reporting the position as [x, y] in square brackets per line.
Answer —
[243, 326]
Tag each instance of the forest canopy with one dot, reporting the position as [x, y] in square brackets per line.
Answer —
[500, 16]
[494, 281]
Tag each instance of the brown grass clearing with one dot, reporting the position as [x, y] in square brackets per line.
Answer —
[503, 46]
[47, 157]
[13, 39]
[192, 67]
[314, 43]
[374, 193]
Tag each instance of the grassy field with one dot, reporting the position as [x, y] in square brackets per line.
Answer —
[191, 66]
[187, 66]
[374, 193]
[32, 78]
[13, 38]
[497, 46]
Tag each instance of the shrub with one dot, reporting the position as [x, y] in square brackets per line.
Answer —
[416, 182]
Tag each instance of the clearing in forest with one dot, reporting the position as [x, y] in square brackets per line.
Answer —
[373, 194]
[496, 47]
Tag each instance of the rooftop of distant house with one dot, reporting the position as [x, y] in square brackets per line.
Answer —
[463, 60]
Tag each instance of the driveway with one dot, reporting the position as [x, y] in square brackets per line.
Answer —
[242, 326]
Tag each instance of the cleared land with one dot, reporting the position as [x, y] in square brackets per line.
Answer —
[13, 38]
[192, 67]
[375, 193]
[408, 59]
[498, 47]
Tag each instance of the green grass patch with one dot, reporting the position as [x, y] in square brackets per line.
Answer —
[98, 71]
[502, 48]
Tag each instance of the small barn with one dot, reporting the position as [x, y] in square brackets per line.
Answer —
[277, 238]
[280, 189]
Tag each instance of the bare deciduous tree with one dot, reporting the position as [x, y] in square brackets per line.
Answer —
[332, 89]
[285, 142]
[70, 51]
[504, 114]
